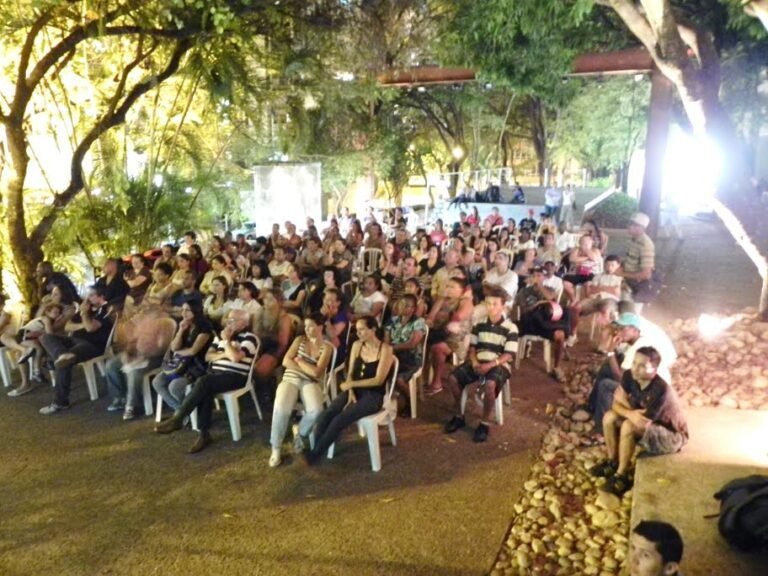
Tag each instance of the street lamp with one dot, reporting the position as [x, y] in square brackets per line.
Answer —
[457, 152]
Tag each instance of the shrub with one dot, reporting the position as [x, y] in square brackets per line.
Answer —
[614, 212]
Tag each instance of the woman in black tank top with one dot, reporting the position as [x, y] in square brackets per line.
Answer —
[362, 393]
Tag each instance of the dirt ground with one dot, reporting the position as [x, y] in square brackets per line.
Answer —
[85, 493]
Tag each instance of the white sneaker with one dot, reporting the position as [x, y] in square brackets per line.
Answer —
[275, 459]
[571, 341]
[53, 408]
[129, 413]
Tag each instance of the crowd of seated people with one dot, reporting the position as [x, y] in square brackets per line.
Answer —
[452, 301]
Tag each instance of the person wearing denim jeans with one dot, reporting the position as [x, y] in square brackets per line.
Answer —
[305, 365]
[90, 330]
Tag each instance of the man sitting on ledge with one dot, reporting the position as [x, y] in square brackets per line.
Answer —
[645, 412]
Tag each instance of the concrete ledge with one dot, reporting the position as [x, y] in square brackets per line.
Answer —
[724, 444]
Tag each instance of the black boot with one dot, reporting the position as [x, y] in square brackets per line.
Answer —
[176, 422]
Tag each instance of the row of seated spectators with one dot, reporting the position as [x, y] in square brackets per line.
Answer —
[284, 300]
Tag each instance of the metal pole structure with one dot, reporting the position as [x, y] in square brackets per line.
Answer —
[662, 95]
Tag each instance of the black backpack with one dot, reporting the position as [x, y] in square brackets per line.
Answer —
[744, 512]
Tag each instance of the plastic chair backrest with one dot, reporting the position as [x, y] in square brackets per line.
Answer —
[249, 382]
[369, 259]
[328, 376]
[391, 384]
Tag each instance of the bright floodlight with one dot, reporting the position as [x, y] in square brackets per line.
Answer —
[711, 326]
[457, 152]
[692, 168]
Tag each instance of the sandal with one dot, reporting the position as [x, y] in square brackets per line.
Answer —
[618, 484]
[604, 469]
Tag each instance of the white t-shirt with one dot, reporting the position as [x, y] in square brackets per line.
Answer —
[279, 268]
[508, 281]
[554, 282]
[653, 335]
[552, 197]
[364, 304]
[605, 280]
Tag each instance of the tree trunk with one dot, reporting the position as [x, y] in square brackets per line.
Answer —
[538, 135]
[26, 255]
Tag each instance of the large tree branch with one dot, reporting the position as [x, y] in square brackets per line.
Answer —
[114, 117]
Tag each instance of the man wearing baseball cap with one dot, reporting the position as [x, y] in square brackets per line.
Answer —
[640, 261]
[631, 332]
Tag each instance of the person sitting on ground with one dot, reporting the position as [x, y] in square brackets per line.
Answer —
[405, 333]
[450, 322]
[655, 549]
[628, 334]
[645, 413]
[362, 392]
[492, 347]
[113, 283]
[216, 304]
[541, 315]
[186, 361]
[305, 365]
[138, 277]
[90, 330]
[147, 339]
[369, 301]
[601, 296]
[230, 360]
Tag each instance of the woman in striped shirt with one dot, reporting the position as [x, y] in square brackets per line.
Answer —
[305, 364]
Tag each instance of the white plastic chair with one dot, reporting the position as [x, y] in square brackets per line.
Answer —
[231, 400]
[89, 366]
[146, 390]
[5, 367]
[369, 426]
[524, 350]
[415, 391]
[504, 397]
[369, 260]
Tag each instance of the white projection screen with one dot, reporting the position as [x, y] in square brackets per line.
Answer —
[283, 192]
